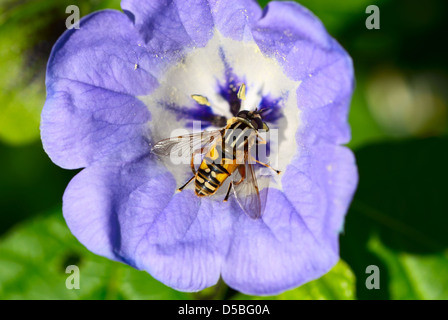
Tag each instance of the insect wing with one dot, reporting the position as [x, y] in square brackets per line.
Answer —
[184, 146]
[246, 191]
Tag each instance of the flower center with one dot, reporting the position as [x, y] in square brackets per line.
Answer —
[204, 87]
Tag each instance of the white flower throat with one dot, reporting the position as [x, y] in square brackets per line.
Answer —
[204, 86]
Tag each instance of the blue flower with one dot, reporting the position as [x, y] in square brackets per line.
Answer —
[123, 81]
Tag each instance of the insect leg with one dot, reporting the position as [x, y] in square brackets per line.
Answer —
[262, 141]
[186, 184]
[242, 170]
[267, 166]
[228, 192]
[192, 168]
[192, 164]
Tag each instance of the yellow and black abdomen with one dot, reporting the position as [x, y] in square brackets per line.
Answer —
[215, 168]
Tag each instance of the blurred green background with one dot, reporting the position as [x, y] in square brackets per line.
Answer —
[397, 221]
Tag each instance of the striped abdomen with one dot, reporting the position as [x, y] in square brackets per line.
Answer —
[210, 176]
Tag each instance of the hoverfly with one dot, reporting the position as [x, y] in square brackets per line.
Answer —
[225, 153]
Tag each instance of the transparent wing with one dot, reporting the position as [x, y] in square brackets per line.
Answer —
[246, 191]
[184, 146]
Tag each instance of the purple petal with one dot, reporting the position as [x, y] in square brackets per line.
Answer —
[324, 97]
[97, 195]
[275, 253]
[180, 241]
[91, 111]
[287, 22]
[320, 185]
[103, 53]
[130, 213]
[82, 124]
[172, 25]
[168, 26]
[299, 41]
[234, 18]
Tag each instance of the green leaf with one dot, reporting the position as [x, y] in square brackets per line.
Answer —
[33, 261]
[413, 276]
[20, 104]
[28, 189]
[338, 284]
[398, 220]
